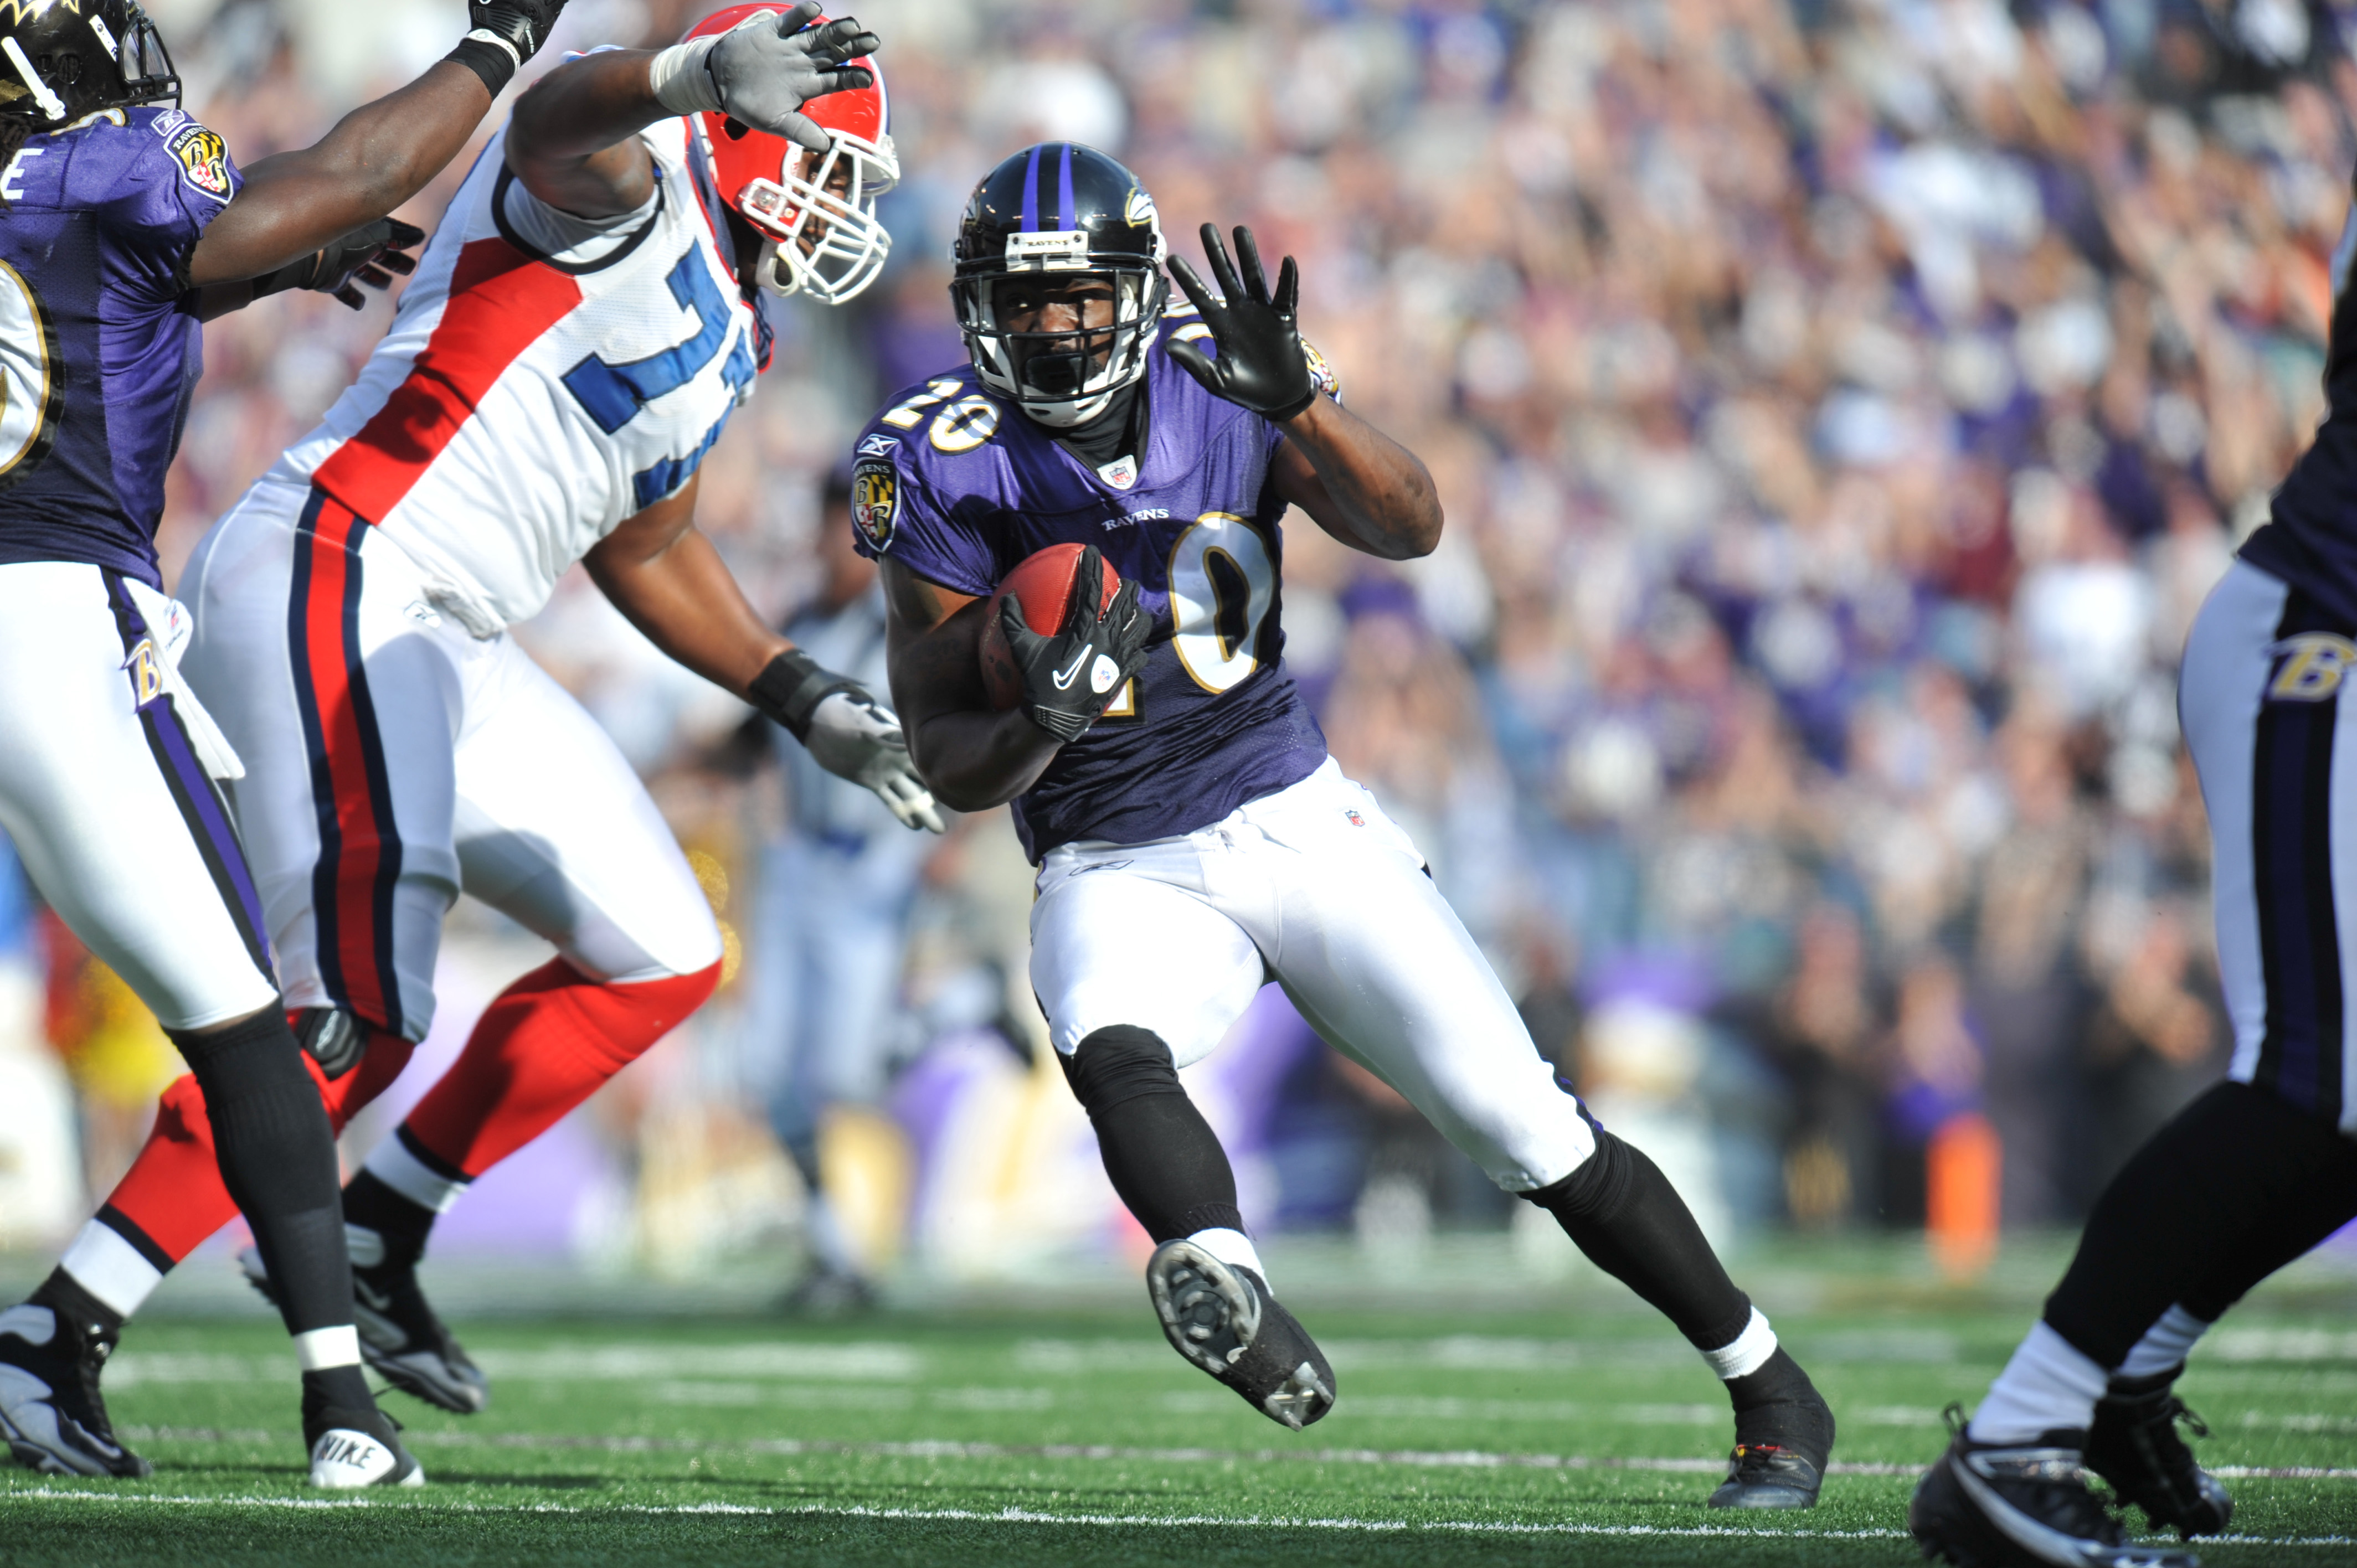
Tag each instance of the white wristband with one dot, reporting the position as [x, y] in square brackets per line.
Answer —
[485, 36]
[679, 79]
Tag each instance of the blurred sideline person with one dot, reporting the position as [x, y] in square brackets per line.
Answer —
[2263, 1167]
[837, 888]
[578, 332]
[1194, 840]
[123, 223]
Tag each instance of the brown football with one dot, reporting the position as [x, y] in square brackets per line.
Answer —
[1042, 584]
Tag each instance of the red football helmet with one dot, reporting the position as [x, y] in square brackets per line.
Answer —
[817, 211]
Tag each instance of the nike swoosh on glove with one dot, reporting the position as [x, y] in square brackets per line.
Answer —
[1070, 678]
[854, 737]
[762, 72]
[1260, 365]
[521, 24]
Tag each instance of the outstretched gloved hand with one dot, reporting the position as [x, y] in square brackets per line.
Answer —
[762, 71]
[1260, 364]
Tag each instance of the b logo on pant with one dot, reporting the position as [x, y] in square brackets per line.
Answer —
[146, 673]
[2312, 665]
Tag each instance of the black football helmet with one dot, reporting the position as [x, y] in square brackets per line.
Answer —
[1059, 208]
[61, 59]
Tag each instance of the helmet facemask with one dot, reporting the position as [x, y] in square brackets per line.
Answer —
[818, 218]
[1061, 378]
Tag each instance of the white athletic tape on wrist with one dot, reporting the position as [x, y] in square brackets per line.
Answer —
[110, 1268]
[680, 81]
[1747, 1352]
[485, 36]
[317, 1349]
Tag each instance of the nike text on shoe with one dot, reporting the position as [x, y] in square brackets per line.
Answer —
[2019, 1507]
[401, 1338]
[353, 1449]
[2134, 1447]
[1225, 1321]
[51, 1414]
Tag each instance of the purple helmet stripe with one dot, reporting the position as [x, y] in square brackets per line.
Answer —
[1068, 210]
[1031, 194]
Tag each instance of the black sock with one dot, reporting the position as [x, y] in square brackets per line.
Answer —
[278, 1158]
[76, 1307]
[403, 1222]
[334, 1388]
[2237, 1186]
[1777, 1403]
[1624, 1214]
[1163, 1158]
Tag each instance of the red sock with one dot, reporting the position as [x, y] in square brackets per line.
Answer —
[548, 1043]
[173, 1192]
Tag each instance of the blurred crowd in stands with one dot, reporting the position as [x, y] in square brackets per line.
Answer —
[1841, 408]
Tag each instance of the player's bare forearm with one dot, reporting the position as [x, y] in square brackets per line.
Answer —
[970, 756]
[1359, 485]
[377, 158]
[669, 582]
[574, 140]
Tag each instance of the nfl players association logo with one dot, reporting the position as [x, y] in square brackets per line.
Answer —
[203, 158]
[875, 494]
[2312, 665]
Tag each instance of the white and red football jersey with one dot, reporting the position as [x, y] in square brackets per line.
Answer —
[528, 400]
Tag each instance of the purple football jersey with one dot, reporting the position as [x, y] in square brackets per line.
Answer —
[98, 354]
[959, 486]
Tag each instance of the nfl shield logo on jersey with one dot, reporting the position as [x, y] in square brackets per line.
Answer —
[1120, 473]
[875, 492]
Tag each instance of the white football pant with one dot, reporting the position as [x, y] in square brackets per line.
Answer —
[392, 760]
[1315, 889]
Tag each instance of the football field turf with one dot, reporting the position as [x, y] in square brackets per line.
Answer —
[1019, 1432]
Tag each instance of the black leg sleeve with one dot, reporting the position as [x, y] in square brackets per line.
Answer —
[278, 1160]
[1632, 1223]
[1163, 1157]
[2239, 1185]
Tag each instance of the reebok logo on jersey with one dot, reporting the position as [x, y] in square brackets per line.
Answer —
[1065, 677]
[2312, 665]
[878, 445]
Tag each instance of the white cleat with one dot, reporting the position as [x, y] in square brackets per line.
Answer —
[345, 1457]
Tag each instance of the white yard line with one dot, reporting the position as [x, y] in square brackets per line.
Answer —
[952, 1448]
[1030, 1516]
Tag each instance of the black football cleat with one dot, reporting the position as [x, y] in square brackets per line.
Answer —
[1225, 1321]
[52, 1415]
[2024, 1505]
[1780, 1447]
[2134, 1447]
[401, 1338]
[356, 1448]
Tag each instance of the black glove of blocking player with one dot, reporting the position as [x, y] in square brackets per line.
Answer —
[369, 254]
[1069, 678]
[1260, 364]
[505, 34]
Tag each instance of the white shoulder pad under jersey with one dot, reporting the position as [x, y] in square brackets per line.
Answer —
[546, 378]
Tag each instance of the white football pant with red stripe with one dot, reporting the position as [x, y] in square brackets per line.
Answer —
[394, 760]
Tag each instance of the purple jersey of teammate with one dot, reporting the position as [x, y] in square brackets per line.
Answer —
[98, 350]
[959, 487]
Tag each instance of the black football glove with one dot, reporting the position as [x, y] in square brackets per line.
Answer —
[1260, 364]
[1070, 678]
[369, 254]
[522, 24]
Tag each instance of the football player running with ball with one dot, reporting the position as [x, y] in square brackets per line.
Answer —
[578, 334]
[2263, 1167]
[1194, 841]
[123, 223]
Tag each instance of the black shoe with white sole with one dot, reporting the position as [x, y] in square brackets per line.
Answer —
[355, 1448]
[1225, 1321]
[52, 1415]
[2134, 1445]
[2023, 1506]
[401, 1338]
